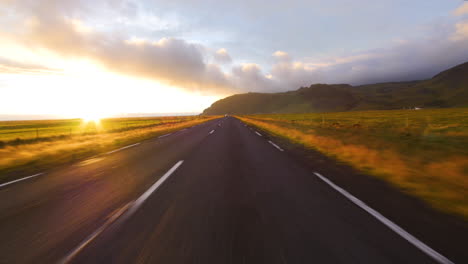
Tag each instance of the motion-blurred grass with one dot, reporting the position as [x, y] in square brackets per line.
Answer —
[17, 132]
[27, 154]
[423, 152]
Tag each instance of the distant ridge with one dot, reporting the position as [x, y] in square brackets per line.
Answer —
[447, 89]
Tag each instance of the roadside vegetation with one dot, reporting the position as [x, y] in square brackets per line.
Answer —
[423, 152]
[24, 132]
[27, 147]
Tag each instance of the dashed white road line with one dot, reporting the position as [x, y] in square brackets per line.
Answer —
[211, 132]
[124, 212]
[276, 146]
[165, 135]
[397, 229]
[22, 179]
[258, 133]
[126, 147]
[96, 233]
[138, 202]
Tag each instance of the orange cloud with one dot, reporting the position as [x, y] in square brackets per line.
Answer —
[461, 10]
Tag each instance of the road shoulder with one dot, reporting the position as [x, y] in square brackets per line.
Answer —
[444, 232]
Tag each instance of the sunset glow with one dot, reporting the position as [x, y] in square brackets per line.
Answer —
[233, 131]
[59, 58]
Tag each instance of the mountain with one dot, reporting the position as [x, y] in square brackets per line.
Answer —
[447, 89]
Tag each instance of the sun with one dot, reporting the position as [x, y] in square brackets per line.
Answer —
[91, 118]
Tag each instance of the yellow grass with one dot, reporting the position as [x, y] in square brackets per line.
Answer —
[440, 180]
[30, 158]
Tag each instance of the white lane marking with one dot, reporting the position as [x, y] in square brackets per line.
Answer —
[258, 133]
[96, 233]
[89, 161]
[212, 131]
[165, 135]
[22, 179]
[276, 146]
[126, 147]
[397, 229]
[125, 212]
[153, 188]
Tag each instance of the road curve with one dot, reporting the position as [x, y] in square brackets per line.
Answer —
[220, 192]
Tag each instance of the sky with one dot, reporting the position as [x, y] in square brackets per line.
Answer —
[87, 58]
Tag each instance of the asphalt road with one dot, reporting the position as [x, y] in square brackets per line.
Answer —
[219, 192]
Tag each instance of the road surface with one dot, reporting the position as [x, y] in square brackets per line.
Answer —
[220, 192]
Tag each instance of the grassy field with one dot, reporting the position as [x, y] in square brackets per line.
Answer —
[423, 152]
[31, 146]
[16, 132]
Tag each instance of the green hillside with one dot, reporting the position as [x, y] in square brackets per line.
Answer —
[446, 89]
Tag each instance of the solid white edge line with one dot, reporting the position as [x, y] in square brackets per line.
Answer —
[258, 133]
[125, 212]
[22, 179]
[397, 229]
[276, 146]
[126, 147]
[211, 132]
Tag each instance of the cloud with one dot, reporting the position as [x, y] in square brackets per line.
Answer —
[169, 60]
[405, 61]
[461, 10]
[461, 31]
[281, 56]
[251, 78]
[61, 27]
[16, 67]
[222, 56]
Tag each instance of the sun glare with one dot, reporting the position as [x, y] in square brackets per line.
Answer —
[91, 118]
[96, 95]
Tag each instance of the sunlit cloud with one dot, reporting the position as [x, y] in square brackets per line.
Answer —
[15, 67]
[461, 31]
[462, 10]
[222, 56]
[119, 47]
[281, 56]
